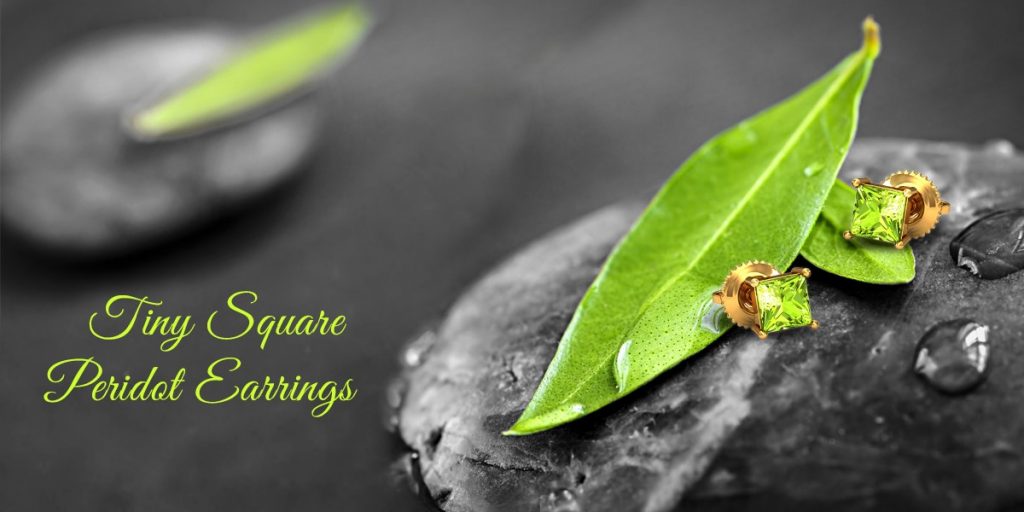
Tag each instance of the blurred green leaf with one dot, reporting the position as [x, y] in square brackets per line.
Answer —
[270, 68]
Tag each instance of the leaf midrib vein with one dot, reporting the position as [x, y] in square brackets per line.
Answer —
[772, 167]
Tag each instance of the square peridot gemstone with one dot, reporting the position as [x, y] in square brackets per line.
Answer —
[782, 302]
[878, 213]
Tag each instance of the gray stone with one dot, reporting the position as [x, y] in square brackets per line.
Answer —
[74, 182]
[834, 419]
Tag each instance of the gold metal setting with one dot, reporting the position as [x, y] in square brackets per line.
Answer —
[738, 294]
[924, 203]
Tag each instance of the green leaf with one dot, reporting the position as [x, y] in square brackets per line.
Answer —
[752, 192]
[270, 68]
[857, 259]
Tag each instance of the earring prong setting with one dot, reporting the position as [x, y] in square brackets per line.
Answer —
[756, 296]
[905, 206]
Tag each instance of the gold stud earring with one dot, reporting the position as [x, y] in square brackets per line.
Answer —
[758, 297]
[905, 206]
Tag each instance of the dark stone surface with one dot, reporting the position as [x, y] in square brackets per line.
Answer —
[992, 246]
[75, 183]
[831, 419]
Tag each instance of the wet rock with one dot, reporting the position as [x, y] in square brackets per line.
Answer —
[75, 183]
[992, 246]
[953, 355]
[834, 419]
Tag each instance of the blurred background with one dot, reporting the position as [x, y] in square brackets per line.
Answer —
[459, 132]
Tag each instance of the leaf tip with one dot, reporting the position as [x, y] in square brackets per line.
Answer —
[872, 37]
[532, 421]
[354, 13]
[520, 428]
[141, 126]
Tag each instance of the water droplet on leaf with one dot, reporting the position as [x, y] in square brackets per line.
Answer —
[740, 139]
[953, 356]
[622, 365]
[713, 318]
[813, 169]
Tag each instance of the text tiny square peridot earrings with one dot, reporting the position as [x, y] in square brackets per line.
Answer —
[905, 206]
[758, 297]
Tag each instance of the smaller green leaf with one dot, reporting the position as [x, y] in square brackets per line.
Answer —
[857, 259]
[273, 66]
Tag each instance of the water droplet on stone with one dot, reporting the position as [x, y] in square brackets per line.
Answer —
[391, 423]
[813, 169]
[416, 352]
[953, 356]
[1000, 147]
[622, 365]
[413, 473]
[395, 395]
[992, 246]
[713, 318]
[562, 500]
